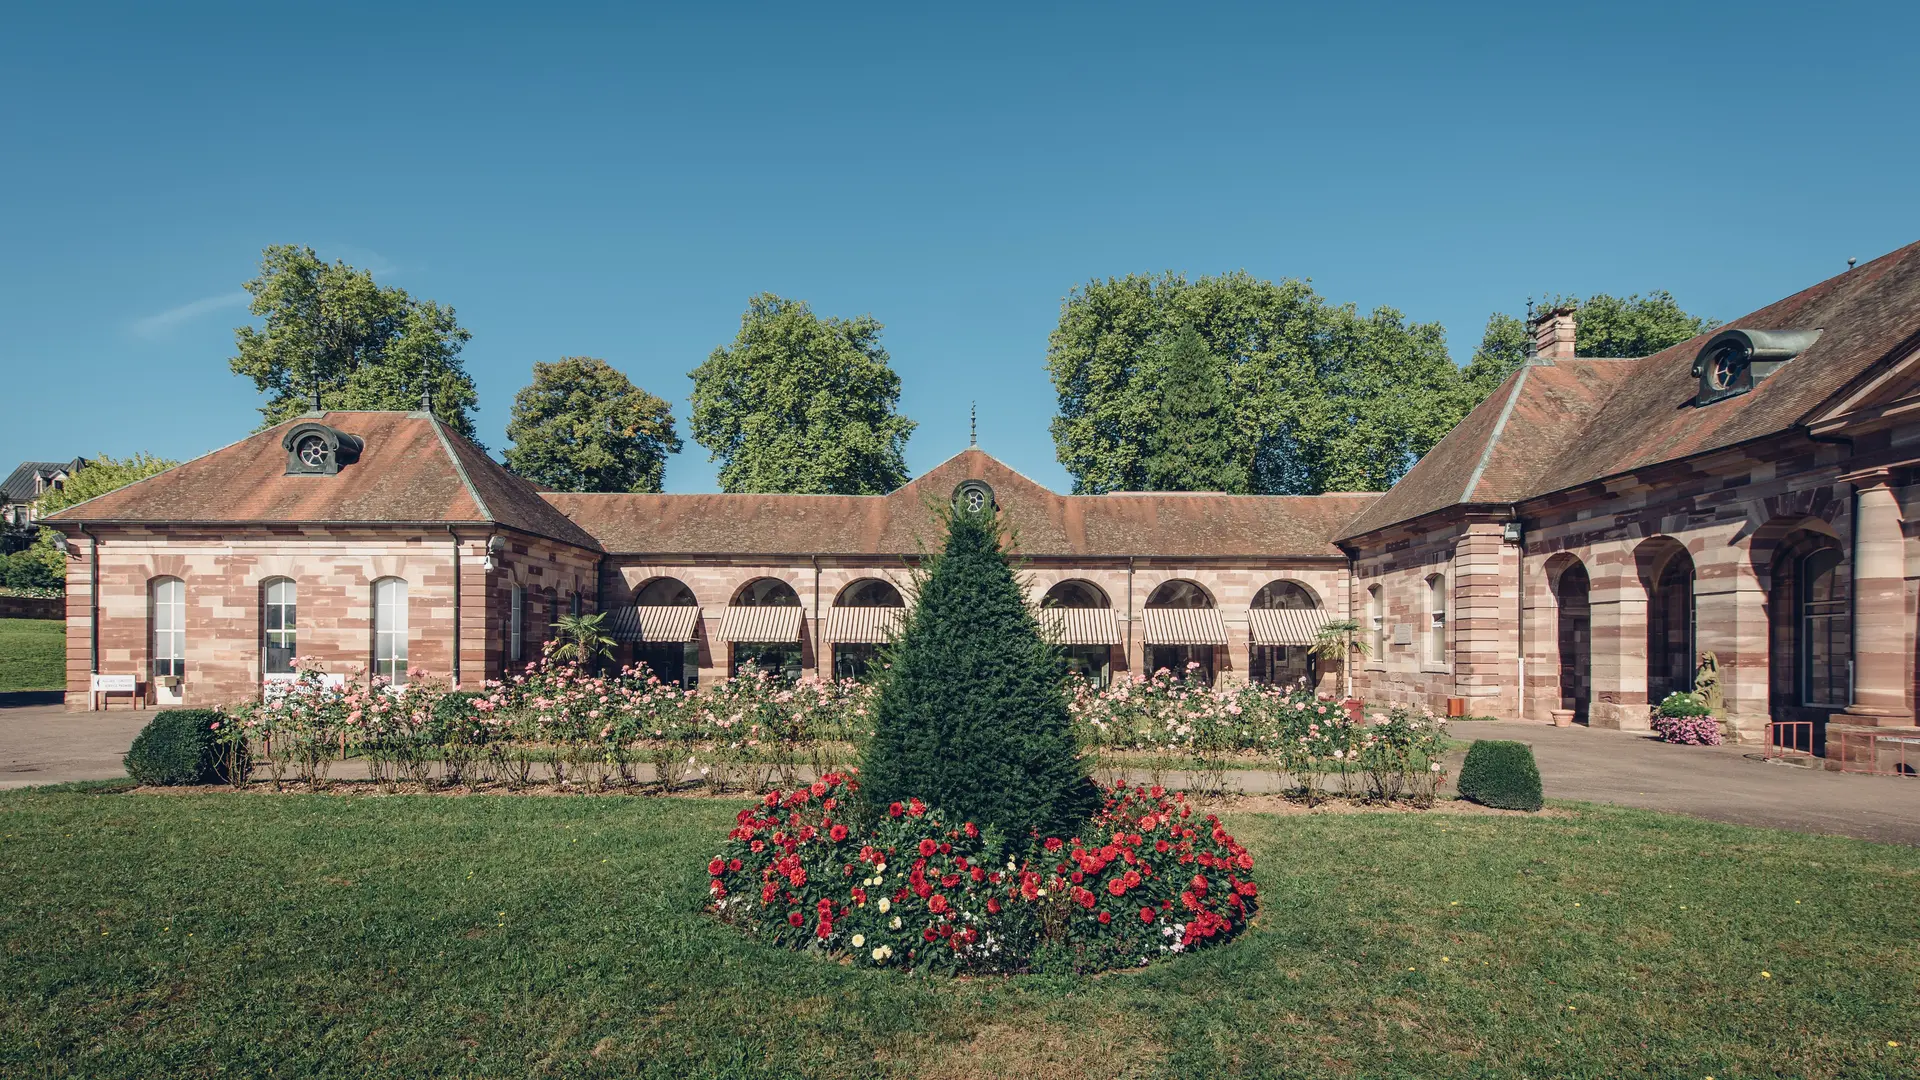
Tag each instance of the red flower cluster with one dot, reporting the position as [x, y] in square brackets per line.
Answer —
[1146, 880]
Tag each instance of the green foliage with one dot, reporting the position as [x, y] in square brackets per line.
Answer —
[1321, 397]
[801, 405]
[1680, 703]
[582, 639]
[583, 426]
[178, 746]
[33, 654]
[972, 715]
[330, 329]
[41, 566]
[1189, 445]
[1605, 326]
[1501, 774]
[100, 475]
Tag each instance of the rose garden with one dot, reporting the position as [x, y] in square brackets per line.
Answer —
[971, 864]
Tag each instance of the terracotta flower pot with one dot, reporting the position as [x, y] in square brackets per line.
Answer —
[1562, 717]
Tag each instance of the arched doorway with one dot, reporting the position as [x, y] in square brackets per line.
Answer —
[1574, 635]
[762, 625]
[1281, 650]
[1081, 617]
[1183, 630]
[1667, 571]
[1810, 637]
[661, 626]
[865, 616]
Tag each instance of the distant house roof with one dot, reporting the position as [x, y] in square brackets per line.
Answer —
[904, 521]
[1560, 424]
[412, 469]
[28, 481]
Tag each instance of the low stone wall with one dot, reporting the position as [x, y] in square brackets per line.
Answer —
[33, 607]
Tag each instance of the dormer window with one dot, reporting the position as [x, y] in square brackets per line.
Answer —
[973, 496]
[315, 449]
[1732, 361]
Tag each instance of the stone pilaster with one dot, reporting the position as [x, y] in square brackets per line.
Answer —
[1882, 646]
[1485, 621]
[1730, 621]
[1618, 606]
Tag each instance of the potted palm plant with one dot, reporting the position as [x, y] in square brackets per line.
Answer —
[1336, 640]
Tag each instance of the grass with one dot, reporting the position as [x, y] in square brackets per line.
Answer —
[33, 654]
[254, 935]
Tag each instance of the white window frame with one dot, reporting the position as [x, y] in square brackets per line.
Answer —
[1436, 620]
[288, 629]
[167, 627]
[390, 630]
[516, 625]
[1377, 622]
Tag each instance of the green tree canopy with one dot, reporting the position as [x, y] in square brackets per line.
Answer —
[972, 712]
[1604, 326]
[1190, 442]
[583, 426]
[801, 405]
[329, 330]
[101, 475]
[1321, 397]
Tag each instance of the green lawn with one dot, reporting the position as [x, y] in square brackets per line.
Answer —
[33, 654]
[255, 935]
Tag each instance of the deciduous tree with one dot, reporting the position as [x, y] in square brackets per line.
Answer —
[100, 475]
[802, 404]
[331, 334]
[583, 426]
[1603, 326]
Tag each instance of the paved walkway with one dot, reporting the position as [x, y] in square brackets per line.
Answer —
[48, 745]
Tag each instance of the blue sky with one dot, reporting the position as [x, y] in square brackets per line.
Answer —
[617, 181]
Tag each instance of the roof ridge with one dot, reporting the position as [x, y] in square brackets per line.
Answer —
[460, 470]
[1493, 437]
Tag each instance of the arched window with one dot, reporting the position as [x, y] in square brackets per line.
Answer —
[1280, 653]
[865, 616]
[277, 626]
[1179, 642]
[390, 630]
[167, 615]
[1826, 632]
[1086, 642]
[1437, 619]
[663, 626]
[1377, 622]
[764, 641]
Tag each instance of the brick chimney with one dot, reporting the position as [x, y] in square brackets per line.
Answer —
[1553, 334]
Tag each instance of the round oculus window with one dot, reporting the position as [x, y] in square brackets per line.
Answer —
[312, 451]
[973, 496]
[1725, 366]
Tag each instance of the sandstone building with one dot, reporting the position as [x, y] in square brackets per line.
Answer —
[1573, 547]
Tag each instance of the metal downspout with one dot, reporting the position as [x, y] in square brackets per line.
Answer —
[93, 607]
[457, 588]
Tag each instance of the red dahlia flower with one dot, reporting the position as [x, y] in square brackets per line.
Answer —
[1146, 914]
[838, 832]
[717, 867]
[1106, 917]
[896, 810]
[796, 919]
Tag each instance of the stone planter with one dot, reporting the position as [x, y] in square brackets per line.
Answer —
[1562, 717]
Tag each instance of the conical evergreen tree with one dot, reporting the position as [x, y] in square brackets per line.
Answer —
[972, 716]
[1190, 446]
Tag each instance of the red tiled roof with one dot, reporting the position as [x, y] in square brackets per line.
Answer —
[412, 469]
[904, 523]
[1556, 425]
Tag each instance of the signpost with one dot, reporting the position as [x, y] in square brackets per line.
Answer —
[111, 684]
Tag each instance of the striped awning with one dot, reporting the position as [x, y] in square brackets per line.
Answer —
[653, 624]
[1272, 626]
[1185, 626]
[761, 625]
[863, 625]
[1080, 626]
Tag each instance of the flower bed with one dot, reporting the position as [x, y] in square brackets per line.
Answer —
[914, 890]
[1683, 718]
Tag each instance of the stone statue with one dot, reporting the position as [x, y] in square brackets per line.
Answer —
[1706, 684]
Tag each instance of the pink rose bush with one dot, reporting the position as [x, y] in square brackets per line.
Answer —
[1146, 878]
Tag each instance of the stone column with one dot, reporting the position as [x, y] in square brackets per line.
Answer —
[1882, 651]
[1730, 621]
[1617, 604]
[1485, 625]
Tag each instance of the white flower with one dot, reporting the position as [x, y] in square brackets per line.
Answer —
[859, 940]
[895, 924]
[881, 954]
[886, 905]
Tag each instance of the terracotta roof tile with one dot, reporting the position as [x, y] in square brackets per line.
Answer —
[411, 469]
[1556, 425]
[904, 523]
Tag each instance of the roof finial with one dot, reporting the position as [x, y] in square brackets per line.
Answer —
[1850, 261]
[1533, 341]
[426, 398]
[973, 424]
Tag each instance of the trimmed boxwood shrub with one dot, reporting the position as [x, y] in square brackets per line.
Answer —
[178, 746]
[1501, 774]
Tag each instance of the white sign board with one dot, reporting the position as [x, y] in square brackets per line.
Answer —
[113, 684]
[1403, 633]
